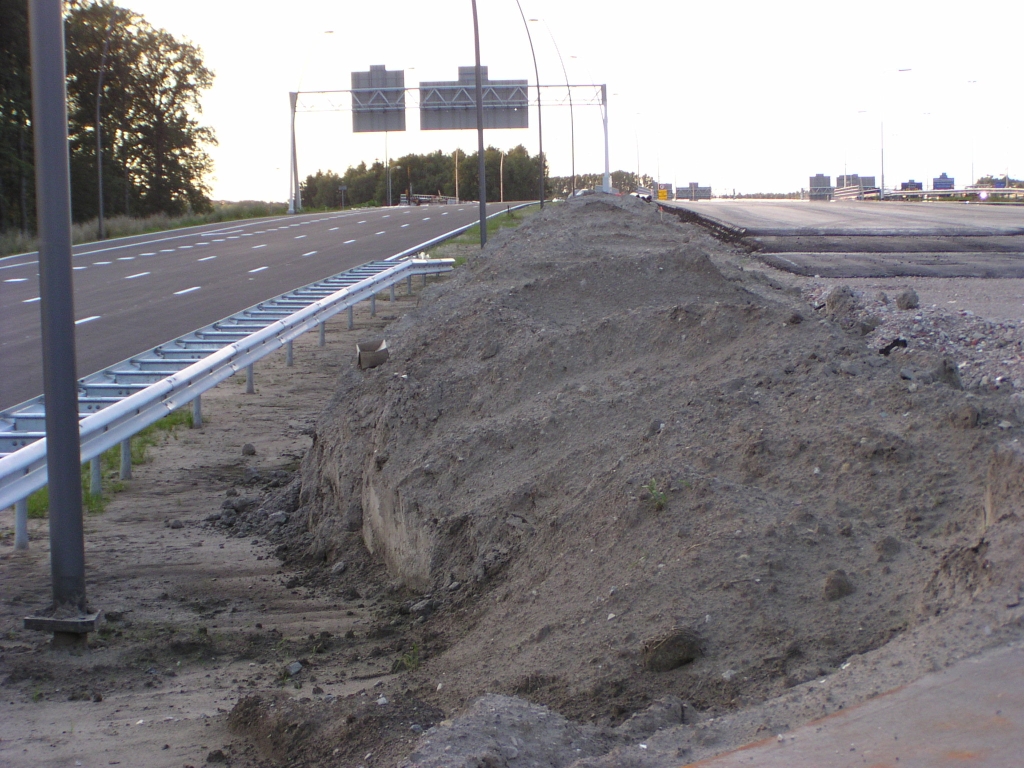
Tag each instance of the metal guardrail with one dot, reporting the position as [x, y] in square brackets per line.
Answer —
[118, 402]
[124, 399]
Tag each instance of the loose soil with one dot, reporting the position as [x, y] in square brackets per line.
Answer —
[621, 496]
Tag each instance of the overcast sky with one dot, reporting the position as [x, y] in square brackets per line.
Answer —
[752, 96]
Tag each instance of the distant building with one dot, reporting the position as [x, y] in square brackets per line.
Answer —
[821, 187]
[911, 186]
[943, 182]
[693, 191]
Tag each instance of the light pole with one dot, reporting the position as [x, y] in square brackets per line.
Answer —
[540, 131]
[481, 166]
[101, 230]
[572, 123]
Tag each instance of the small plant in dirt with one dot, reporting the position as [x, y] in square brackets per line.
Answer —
[658, 496]
[407, 661]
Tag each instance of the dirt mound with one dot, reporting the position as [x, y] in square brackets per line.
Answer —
[593, 437]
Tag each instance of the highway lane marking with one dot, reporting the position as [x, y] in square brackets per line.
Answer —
[187, 290]
[404, 226]
[261, 231]
[380, 233]
[445, 213]
[184, 247]
[196, 244]
[100, 263]
[141, 274]
[77, 268]
[30, 301]
[207, 258]
[20, 264]
[361, 222]
[126, 258]
[244, 234]
[166, 250]
[219, 240]
[386, 216]
[147, 254]
[16, 280]
[258, 269]
[232, 237]
[311, 253]
[332, 229]
[427, 218]
[264, 245]
[299, 237]
[348, 241]
[87, 319]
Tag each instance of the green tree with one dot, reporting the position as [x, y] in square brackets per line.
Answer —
[17, 198]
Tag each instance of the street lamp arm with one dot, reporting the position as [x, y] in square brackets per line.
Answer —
[540, 131]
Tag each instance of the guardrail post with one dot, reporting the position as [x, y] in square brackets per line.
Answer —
[373, 305]
[21, 524]
[350, 325]
[126, 460]
[288, 358]
[424, 279]
[408, 286]
[323, 334]
[95, 477]
[197, 412]
[250, 388]
[392, 292]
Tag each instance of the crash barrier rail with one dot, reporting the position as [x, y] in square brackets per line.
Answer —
[120, 401]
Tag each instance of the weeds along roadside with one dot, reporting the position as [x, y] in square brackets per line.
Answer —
[110, 463]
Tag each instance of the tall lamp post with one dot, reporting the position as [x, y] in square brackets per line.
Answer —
[481, 167]
[101, 232]
[540, 130]
[572, 123]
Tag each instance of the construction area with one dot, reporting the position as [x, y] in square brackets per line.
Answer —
[623, 494]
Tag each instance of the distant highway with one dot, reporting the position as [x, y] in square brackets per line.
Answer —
[873, 239]
[134, 293]
[780, 217]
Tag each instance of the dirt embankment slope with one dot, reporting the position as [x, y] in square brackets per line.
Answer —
[606, 465]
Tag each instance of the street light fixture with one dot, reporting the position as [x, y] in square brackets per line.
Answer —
[540, 131]
[572, 123]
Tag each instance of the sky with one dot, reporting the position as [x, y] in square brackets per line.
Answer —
[751, 96]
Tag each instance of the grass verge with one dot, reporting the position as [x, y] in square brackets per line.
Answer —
[110, 465]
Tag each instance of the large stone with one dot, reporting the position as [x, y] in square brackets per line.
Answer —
[670, 650]
[841, 300]
[837, 585]
[907, 299]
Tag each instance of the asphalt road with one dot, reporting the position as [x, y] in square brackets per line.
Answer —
[780, 217]
[134, 293]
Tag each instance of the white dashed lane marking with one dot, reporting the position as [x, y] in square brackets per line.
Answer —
[299, 237]
[311, 253]
[30, 301]
[258, 269]
[404, 226]
[100, 263]
[187, 290]
[87, 319]
[126, 258]
[207, 258]
[147, 254]
[348, 241]
[380, 233]
[264, 245]
[140, 274]
[16, 280]
[332, 229]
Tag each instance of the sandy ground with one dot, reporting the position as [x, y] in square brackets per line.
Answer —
[858, 470]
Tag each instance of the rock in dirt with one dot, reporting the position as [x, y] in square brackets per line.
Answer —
[175, 524]
[339, 568]
[887, 549]
[248, 449]
[841, 300]
[837, 585]
[278, 518]
[294, 668]
[217, 756]
[672, 649]
[907, 299]
[966, 417]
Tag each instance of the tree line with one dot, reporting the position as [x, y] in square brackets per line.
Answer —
[451, 174]
[145, 85]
